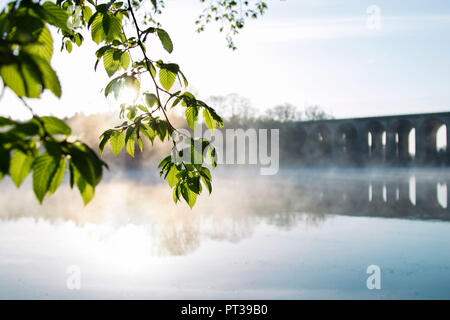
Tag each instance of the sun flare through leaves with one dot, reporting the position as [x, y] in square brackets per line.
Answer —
[44, 147]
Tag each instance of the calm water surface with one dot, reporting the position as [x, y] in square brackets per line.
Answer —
[299, 234]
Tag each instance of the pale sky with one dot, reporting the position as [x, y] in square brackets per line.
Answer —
[301, 51]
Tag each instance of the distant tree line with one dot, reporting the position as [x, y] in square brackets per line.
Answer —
[237, 110]
[238, 113]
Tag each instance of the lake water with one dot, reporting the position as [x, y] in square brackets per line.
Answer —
[301, 234]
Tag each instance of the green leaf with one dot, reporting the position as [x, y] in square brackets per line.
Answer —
[25, 129]
[207, 183]
[55, 15]
[68, 45]
[113, 86]
[165, 40]
[165, 161]
[29, 75]
[44, 168]
[188, 195]
[206, 178]
[209, 121]
[53, 148]
[184, 79]
[111, 61]
[43, 48]
[114, 28]
[87, 13]
[86, 189]
[104, 140]
[176, 101]
[215, 116]
[99, 54]
[117, 142]
[147, 31]
[167, 77]
[142, 108]
[56, 126]
[97, 33]
[4, 161]
[71, 175]
[171, 177]
[23, 78]
[194, 184]
[78, 39]
[176, 194]
[155, 5]
[125, 60]
[188, 100]
[132, 112]
[29, 27]
[58, 176]
[152, 69]
[20, 166]
[50, 79]
[212, 156]
[150, 99]
[130, 140]
[87, 163]
[6, 122]
[191, 116]
[205, 172]
[105, 27]
[106, 23]
[140, 143]
[148, 132]
[162, 129]
[117, 5]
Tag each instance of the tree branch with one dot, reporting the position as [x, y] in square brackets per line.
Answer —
[141, 45]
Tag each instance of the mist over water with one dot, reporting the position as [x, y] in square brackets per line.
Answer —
[303, 233]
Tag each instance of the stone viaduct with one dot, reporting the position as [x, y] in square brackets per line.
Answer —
[375, 140]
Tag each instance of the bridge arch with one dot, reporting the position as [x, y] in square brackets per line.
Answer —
[401, 130]
[346, 139]
[299, 148]
[321, 140]
[398, 140]
[441, 133]
[429, 130]
[376, 140]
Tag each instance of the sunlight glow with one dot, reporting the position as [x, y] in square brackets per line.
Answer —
[127, 95]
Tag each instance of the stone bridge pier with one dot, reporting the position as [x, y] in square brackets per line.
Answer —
[389, 140]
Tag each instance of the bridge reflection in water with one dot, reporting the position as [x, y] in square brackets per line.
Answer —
[299, 234]
[407, 196]
[239, 204]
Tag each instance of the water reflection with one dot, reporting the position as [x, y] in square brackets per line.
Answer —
[238, 204]
[400, 196]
